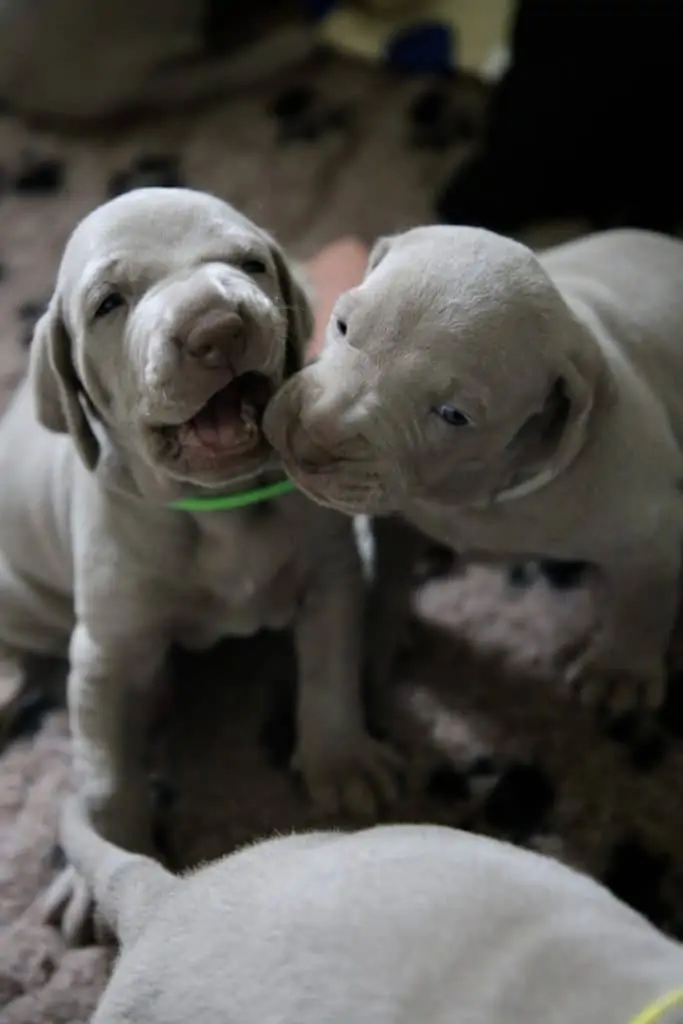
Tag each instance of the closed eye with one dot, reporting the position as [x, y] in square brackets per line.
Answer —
[451, 415]
[111, 301]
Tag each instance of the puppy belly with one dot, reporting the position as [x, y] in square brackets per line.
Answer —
[32, 617]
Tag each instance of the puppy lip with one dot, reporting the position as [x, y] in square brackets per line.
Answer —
[317, 479]
[323, 461]
[310, 484]
[229, 421]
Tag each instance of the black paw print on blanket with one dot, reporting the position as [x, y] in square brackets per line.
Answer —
[301, 115]
[37, 175]
[436, 121]
[147, 171]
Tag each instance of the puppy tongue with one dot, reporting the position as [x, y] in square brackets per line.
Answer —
[220, 424]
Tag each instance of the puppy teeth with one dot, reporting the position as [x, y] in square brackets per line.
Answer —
[249, 415]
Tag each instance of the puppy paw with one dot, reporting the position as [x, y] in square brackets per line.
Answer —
[68, 905]
[615, 691]
[357, 776]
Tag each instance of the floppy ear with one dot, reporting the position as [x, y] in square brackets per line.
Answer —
[379, 251]
[580, 374]
[581, 380]
[550, 439]
[539, 438]
[57, 390]
[299, 312]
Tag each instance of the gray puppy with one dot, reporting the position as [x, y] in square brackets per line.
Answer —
[391, 925]
[173, 321]
[514, 405]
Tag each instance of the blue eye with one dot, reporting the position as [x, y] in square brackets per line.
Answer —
[112, 301]
[452, 416]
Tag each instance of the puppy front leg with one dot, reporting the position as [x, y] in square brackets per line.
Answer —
[624, 664]
[107, 687]
[341, 764]
[13, 686]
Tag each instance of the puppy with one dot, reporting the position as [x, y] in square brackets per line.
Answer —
[173, 321]
[512, 405]
[394, 925]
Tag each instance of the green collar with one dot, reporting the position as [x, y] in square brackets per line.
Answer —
[225, 502]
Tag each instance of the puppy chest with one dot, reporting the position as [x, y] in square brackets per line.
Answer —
[244, 580]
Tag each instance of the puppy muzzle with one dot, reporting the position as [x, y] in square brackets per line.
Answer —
[193, 337]
[208, 359]
[334, 468]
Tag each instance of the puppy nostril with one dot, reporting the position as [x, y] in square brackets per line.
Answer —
[231, 325]
[207, 353]
[214, 339]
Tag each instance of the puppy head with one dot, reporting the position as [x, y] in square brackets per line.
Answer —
[456, 372]
[173, 321]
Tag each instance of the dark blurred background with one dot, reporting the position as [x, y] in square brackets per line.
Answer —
[322, 119]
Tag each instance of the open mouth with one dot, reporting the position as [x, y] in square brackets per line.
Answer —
[230, 422]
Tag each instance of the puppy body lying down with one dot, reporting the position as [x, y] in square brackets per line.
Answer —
[514, 405]
[173, 321]
[391, 925]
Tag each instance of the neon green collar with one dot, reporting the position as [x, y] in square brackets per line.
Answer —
[225, 502]
[655, 1011]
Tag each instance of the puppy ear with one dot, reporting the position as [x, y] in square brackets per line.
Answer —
[379, 251]
[299, 312]
[550, 439]
[537, 442]
[57, 390]
[580, 374]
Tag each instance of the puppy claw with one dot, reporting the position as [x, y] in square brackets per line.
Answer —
[68, 905]
[357, 777]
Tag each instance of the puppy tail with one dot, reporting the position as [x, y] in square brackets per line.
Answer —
[127, 887]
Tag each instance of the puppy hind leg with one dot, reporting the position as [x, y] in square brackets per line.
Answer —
[36, 623]
[13, 691]
[622, 668]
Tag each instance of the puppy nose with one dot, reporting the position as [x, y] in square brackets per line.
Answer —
[215, 339]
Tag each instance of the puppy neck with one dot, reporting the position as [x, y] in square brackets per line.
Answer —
[125, 475]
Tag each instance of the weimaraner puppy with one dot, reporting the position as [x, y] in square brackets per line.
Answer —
[515, 405]
[173, 321]
[396, 924]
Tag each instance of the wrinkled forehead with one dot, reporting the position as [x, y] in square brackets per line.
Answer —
[440, 316]
[164, 228]
[411, 308]
[398, 305]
